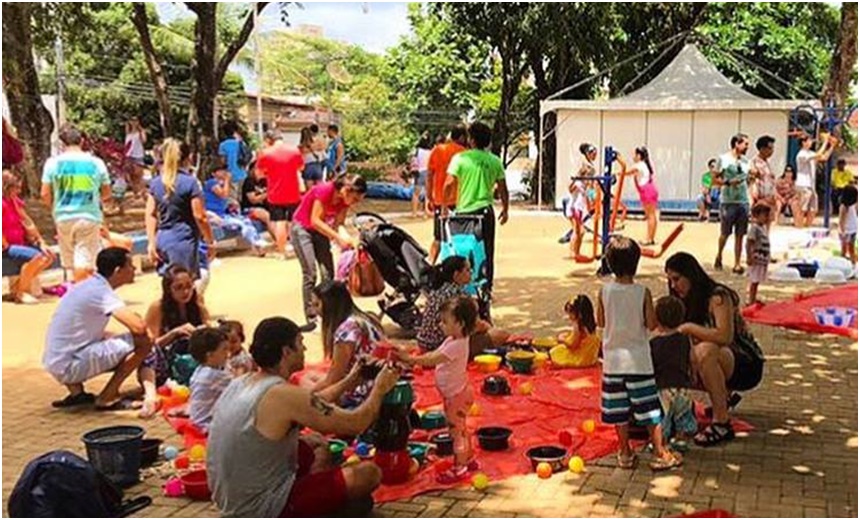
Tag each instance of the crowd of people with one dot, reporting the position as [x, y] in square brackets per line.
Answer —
[259, 463]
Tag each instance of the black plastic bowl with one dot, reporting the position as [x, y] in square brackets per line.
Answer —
[494, 438]
[149, 452]
[552, 455]
[444, 444]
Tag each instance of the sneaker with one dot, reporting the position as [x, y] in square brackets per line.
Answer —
[310, 326]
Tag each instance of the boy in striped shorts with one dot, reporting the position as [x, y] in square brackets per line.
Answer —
[625, 310]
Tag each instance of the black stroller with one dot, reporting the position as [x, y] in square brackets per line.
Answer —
[401, 261]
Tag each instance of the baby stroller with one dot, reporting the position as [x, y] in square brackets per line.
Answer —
[401, 261]
[463, 235]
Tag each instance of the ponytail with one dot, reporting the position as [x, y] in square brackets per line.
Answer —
[443, 273]
[646, 158]
[174, 154]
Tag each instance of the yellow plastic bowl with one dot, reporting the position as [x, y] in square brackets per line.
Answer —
[520, 354]
[488, 362]
[545, 343]
[540, 359]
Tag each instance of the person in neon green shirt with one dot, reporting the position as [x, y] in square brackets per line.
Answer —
[474, 175]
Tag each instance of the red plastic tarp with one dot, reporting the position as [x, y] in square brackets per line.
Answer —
[800, 312]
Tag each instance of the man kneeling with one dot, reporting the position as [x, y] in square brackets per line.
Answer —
[78, 348]
[258, 464]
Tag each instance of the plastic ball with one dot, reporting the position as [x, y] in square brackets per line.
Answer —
[362, 449]
[352, 460]
[480, 481]
[526, 388]
[576, 464]
[182, 392]
[474, 410]
[164, 391]
[588, 426]
[170, 452]
[173, 488]
[544, 470]
[565, 438]
[182, 462]
[197, 453]
[414, 466]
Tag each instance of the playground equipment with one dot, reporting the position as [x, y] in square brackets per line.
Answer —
[650, 253]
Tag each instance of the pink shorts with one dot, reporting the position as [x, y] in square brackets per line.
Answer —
[648, 194]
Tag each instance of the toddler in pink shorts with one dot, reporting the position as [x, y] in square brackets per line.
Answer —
[459, 316]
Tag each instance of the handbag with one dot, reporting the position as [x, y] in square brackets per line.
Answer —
[364, 278]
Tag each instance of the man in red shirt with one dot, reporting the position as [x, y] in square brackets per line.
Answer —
[282, 165]
[437, 169]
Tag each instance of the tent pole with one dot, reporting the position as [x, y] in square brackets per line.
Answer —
[539, 171]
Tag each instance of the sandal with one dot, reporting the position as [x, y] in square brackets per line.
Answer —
[666, 462]
[75, 400]
[738, 269]
[453, 475]
[715, 433]
[626, 461]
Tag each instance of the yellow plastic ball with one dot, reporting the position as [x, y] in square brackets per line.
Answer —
[474, 410]
[544, 470]
[480, 481]
[182, 392]
[526, 388]
[588, 426]
[352, 460]
[576, 464]
[197, 453]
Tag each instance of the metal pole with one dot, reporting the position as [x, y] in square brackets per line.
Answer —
[829, 119]
[258, 71]
[61, 81]
[540, 164]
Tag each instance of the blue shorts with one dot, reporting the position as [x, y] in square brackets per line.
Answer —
[626, 395]
[420, 183]
[678, 416]
[15, 257]
[313, 172]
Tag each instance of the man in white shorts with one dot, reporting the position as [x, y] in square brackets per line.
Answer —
[78, 348]
[74, 184]
[807, 168]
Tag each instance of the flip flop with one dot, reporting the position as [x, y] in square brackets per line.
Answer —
[120, 405]
[671, 461]
[75, 400]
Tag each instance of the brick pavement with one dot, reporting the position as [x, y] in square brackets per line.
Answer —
[805, 414]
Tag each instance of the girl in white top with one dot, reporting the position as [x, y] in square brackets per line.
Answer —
[626, 312]
[577, 210]
[135, 141]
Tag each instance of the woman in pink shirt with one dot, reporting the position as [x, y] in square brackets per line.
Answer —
[315, 223]
[24, 250]
[459, 316]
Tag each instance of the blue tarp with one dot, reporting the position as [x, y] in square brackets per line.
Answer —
[388, 190]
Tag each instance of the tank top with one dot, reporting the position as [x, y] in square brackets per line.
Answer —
[626, 350]
[249, 474]
[135, 145]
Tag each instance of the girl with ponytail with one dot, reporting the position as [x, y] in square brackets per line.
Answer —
[176, 223]
[643, 177]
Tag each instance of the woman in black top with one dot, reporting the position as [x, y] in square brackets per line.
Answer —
[253, 196]
[724, 356]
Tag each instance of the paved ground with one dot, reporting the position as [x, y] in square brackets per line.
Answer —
[805, 412]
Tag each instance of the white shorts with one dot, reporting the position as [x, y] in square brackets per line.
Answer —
[96, 358]
[758, 273]
[80, 243]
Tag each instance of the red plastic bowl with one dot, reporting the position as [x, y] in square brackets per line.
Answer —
[195, 485]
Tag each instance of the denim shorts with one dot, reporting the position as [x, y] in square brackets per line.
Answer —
[734, 218]
[15, 257]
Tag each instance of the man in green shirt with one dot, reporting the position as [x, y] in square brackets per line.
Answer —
[474, 175]
[734, 199]
[709, 196]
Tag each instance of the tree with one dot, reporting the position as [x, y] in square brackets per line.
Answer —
[21, 82]
[843, 64]
[140, 19]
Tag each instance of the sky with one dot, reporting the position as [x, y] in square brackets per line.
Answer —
[374, 26]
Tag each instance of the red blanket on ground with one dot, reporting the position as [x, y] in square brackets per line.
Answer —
[825, 311]
[560, 400]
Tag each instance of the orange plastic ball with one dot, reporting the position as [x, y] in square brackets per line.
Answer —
[544, 470]
[588, 426]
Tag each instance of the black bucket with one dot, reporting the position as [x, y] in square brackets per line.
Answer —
[115, 452]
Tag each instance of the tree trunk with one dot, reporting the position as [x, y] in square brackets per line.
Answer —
[201, 128]
[30, 117]
[156, 74]
[844, 59]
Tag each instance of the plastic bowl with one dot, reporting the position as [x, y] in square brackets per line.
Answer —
[336, 448]
[444, 444]
[488, 363]
[195, 485]
[833, 276]
[806, 270]
[494, 438]
[840, 264]
[552, 455]
[545, 343]
[433, 420]
[835, 316]
[149, 452]
[785, 274]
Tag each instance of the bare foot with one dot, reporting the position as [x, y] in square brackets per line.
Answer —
[149, 409]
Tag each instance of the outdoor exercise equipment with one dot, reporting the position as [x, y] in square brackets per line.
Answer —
[650, 253]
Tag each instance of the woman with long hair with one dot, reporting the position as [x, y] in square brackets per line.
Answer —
[349, 335]
[176, 222]
[643, 178]
[725, 356]
[316, 222]
[314, 166]
[170, 320]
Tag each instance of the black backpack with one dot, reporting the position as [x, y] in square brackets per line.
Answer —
[62, 484]
[245, 154]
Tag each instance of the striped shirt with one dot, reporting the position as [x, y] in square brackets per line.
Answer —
[207, 385]
[76, 179]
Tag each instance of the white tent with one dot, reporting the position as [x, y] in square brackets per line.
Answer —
[685, 116]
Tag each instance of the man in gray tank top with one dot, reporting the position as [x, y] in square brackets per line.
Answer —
[258, 464]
